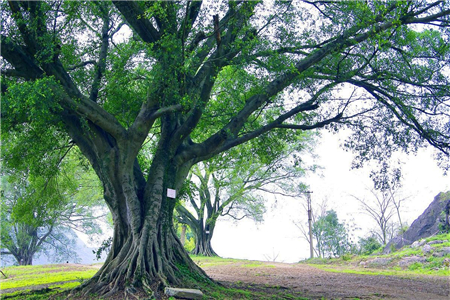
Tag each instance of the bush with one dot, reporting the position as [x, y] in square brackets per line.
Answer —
[415, 266]
[369, 245]
[346, 257]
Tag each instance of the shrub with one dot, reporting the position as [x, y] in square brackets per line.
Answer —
[369, 245]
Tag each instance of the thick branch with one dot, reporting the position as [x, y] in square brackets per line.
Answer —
[135, 17]
[101, 63]
[17, 57]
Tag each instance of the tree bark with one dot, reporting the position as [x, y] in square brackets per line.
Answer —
[203, 239]
[145, 253]
[183, 234]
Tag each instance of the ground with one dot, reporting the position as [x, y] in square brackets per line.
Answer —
[311, 282]
[267, 280]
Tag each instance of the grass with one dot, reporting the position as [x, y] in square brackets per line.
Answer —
[59, 279]
[413, 270]
[206, 261]
[32, 275]
[50, 280]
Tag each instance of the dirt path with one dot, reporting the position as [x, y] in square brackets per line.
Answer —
[311, 282]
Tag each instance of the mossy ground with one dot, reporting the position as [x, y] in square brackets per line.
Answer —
[42, 281]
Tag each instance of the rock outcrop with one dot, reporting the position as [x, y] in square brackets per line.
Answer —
[427, 224]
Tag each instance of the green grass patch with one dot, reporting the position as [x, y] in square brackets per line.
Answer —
[416, 270]
[439, 237]
[438, 246]
[23, 276]
[208, 261]
[254, 264]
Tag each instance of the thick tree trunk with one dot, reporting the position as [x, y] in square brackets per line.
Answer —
[25, 260]
[203, 241]
[146, 254]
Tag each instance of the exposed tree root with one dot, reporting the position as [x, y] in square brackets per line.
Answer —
[135, 270]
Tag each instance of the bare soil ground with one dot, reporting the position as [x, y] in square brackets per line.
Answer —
[313, 283]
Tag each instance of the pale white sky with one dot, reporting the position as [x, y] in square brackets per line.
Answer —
[423, 180]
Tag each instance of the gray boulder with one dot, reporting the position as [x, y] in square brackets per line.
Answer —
[406, 261]
[418, 243]
[377, 262]
[435, 242]
[427, 248]
[441, 252]
[427, 224]
[183, 293]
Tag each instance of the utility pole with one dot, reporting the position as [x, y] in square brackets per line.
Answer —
[311, 246]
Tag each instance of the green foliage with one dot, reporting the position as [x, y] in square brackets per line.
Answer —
[444, 217]
[37, 211]
[415, 266]
[369, 245]
[104, 247]
[331, 235]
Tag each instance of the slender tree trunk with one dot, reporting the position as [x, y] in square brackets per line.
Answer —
[183, 234]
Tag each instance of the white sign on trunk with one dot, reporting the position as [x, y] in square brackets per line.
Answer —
[171, 193]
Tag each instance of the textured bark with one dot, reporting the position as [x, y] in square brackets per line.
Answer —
[203, 243]
[183, 235]
[145, 253]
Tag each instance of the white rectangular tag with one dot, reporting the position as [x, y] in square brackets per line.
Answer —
[171, 193]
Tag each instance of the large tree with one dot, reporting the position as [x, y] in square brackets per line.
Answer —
[72, 66]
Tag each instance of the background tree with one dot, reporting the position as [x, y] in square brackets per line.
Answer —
[383, 206]
[39, 213]
[233, 185]
[331, 236]
[75, 68]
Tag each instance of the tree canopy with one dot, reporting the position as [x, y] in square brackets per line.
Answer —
[188, 80]
[331, 235]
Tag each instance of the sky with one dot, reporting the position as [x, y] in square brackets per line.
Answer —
[278, 238]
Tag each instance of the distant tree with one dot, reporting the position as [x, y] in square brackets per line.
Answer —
[37, 213]
[382, 207]
[331, 235]
[444, 219]
[233, 184]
